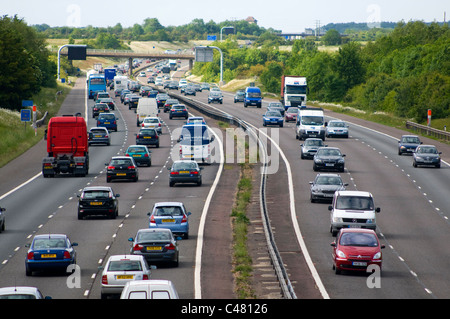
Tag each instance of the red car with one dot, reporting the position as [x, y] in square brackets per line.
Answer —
[356, 249]
[291, 114]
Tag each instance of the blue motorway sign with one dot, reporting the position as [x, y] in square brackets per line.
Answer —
[25, 115]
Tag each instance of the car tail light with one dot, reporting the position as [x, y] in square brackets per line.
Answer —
[67, 255]
[111, 167]
[152, 220]
[170, 246]
[126, 154]
[131, 167]
[137, 247]
[159, 124]
[145, 277]
[174, 173]
[143, 125]
[30, 256]
[194, 172]
[184, 220]
[104, 279]
[146, 155]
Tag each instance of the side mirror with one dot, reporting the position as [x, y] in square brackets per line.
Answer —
[117, 195]
[131, 239]
[330, 208]
[377, 209]
[333, 244]
[74, 244]
[189, 213]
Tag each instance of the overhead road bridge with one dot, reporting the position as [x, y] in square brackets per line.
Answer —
[130, 55]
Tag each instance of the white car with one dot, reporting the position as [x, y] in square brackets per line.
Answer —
[336, 128]
[21, 292]
[119, 270]
[142, 74]
[152, 122]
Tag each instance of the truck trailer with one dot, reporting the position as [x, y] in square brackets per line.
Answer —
[294, 91]
[67, 147]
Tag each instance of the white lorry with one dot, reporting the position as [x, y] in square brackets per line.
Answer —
[310, 123]
[294, 90]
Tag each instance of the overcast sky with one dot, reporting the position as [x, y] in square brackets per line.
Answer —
[284, 15]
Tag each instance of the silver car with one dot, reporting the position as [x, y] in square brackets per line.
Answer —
[120, 269]
[324, 186]
[336, 128]
[21, 292]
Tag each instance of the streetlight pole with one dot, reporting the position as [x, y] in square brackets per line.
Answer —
[222, 30]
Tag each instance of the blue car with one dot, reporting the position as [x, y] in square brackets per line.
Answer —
[273, 118]
[50, 252]
[107, 120]
[170, 215]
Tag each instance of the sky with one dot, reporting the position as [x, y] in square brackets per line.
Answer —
[284, 15]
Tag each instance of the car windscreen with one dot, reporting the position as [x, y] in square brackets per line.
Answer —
[275, 114]
[328, 180]
[336, 124]
[328, 152]
[312, 120]
[358, 239]
[354, 203]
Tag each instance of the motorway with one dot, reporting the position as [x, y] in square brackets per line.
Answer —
[413, 223]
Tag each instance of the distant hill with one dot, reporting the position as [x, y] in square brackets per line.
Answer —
[361, 26]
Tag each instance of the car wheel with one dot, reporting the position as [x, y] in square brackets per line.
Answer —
[171, 184]
[28, 271]
[414, 164]
[108, 180]
[80, 216]
[199, 183]
[315, 168]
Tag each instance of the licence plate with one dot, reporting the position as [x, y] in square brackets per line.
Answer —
[184, 172]
[136, 155]
[96, 203]
[124, 276]
[48, 256]
[147, 137]
[97, 136]
[168, 220]
[329, 164]
[107, 123]
[121, 174]
[154, 248]
[359, 263]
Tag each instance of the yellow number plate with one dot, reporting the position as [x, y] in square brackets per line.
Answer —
[121, 174]
[136, 155]
[168, 220]
[184, 172]
[154, 248]
[124, 277]
[48, 256]
[96, 203]
[147, 137]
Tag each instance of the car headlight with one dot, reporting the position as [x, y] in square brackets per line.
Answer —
[340, 254]
[377, 255]
[341, 160]
[337, 219]
[370, 221]
[317, 160]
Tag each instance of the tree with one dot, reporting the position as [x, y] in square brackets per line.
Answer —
[332, 37]
[349, 66]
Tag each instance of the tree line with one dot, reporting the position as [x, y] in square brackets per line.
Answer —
[25, 63]
[404, 72]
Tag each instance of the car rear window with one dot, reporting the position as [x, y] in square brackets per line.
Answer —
[124, 265]
[43, 243]
[168, 211]
[95, 194]
[149, 236]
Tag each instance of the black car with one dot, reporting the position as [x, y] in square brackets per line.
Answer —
[147, 137]
[169, 103]
[2, 219]
[185, 171]
[155, 245]
[99, 108]
[134, 101]
[98, 200]
[309, 148]
[329, 158]
[122, 167]
[189, 90]
[178, 110]
[215, 96]
[427, 155]
[161, 99]
[108, 101]
[324, 186]
[407, 144]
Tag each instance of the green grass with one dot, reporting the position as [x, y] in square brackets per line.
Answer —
[18, 137]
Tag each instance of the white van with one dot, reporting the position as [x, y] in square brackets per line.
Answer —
[146, 107]
[352, 209]
[149, 289]
[310, 123]
[120, 84]
[195, 143]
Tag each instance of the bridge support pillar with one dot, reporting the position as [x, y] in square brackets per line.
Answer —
[130, 67]
[191, 64]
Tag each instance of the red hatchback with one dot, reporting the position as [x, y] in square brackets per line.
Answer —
[356, 249]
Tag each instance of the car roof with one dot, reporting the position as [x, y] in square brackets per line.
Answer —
[18, 290]
[354, 193]
[168, 204]
[149, 282]
[129, 256]
[99, 128]
[357, 230]
[50, 236]
[90, 188]
[154, 230]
